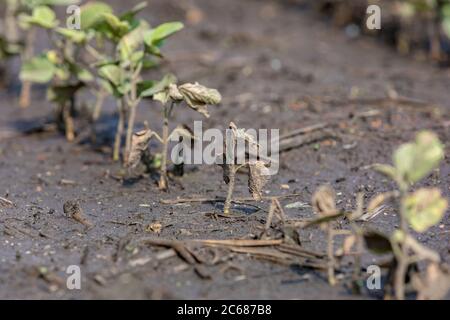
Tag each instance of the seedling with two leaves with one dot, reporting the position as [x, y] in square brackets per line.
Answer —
[419, 210]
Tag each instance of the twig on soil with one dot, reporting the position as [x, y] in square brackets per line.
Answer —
[240, 243]
[218, 199]
[182, 251]
[6, 203]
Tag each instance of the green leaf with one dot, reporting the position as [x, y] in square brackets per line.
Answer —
[75, 36]
[53, 2]
[119, 28]
[154, 36]
[112, 73]
[84, 75]
[130, 15]
[160, 86]
[132, 41]
[144, 86]
[446, 26]
[93, 13]
[424, 208]
[38, 69]
[42, 16]
[416, 160]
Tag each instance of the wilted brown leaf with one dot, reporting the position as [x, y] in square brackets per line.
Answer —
[258, 175]
[198, 97]
[139, 143]
[324, 201]
[434, 284]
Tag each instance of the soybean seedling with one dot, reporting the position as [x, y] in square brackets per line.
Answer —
[418, 210]
[136, 44]
[195, 96]
[61, 66]
[30, 16]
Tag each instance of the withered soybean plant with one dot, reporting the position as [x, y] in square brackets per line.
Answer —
[196, 96]
[241, 151]
[420, 210]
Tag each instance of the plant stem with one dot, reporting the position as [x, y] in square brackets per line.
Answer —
[68, 122]
[231, 183]
[25, 93]
[402, 258]
[101, 95]
[133, 103]
[330, 253]
[11, 31]
[130, 129]
[119, 130]
[165, 137]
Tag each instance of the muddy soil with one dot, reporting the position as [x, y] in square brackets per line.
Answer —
[277, 65]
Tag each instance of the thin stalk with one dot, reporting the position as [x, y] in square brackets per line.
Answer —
[100, 99]
[69, 126]
[231, 183]
[119, 130]
[402, 257]
[25, 93]
[330, 253]
[163, 183]
[11, 30]
[133, 103]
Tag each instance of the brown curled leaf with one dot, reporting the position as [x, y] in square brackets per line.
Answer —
[324, 201]
[258, 175]
[198, 97]
[139, 143]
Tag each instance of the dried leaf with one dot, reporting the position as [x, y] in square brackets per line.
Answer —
[155, 227]
[73, 210]
[258, 175]
[424, 208]
[348, 244]
[139, 143]
[324, 201]
[240, 134]
[199, 97]
[434, 285]
[182, 131]
[6, 203]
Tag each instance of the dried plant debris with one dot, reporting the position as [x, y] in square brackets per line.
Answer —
[258, 175]
[196, 96]
[434, 285]
[139, 144]
[73, 210]
[6, 203]
[324, 201]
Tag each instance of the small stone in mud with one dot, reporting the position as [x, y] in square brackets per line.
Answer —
[74, 211]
